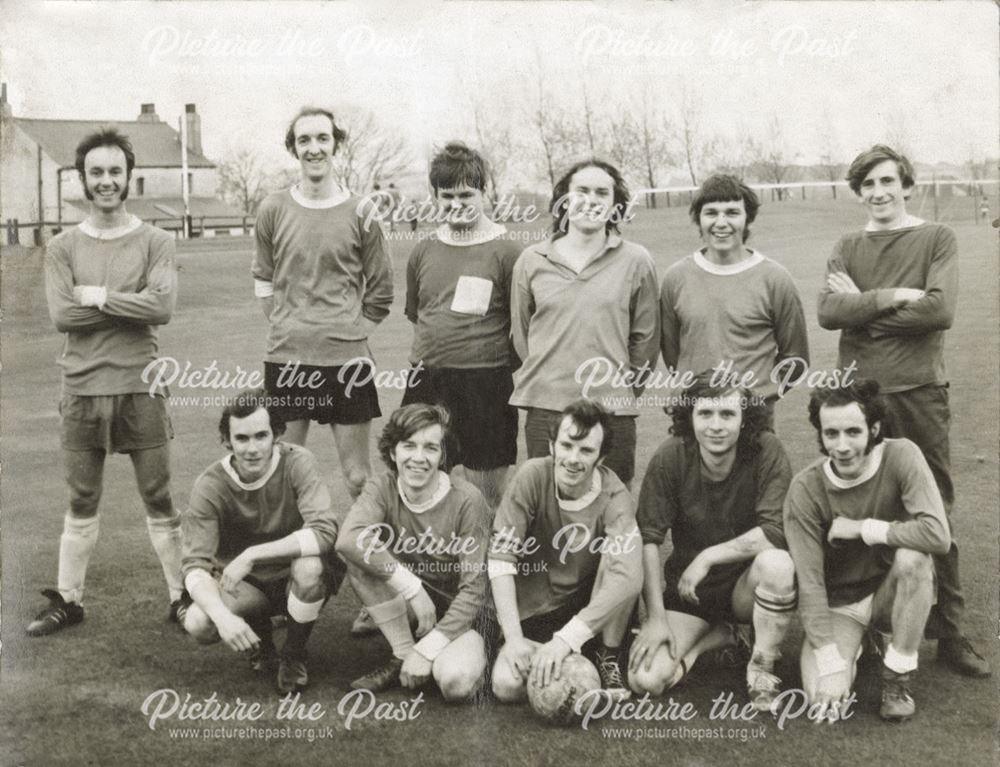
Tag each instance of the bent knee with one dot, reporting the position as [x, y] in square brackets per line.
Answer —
[458, 685]
[652, 681]
[506, 687]
[775, 569]
[200, 626]
[355, 479]
[307, 571]
[912, 565]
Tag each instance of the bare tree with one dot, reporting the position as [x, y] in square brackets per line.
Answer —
[654, 144]
[732, 153]
[244, 180]
[589, 118]
[371, 154]
[496, 143]
[558, 136]
[829, 149]
[771, 159]
[696, 149]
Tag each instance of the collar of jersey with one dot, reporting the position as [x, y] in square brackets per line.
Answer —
[567, 504]
[329, 202]
[910, 222]
[548, 250]
[703, 263]
[444, 236]
[844, 484]
[134, 222]
[227, 465]
[444, 486]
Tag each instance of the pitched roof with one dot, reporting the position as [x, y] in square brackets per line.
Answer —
[153, 208]
[156, 144]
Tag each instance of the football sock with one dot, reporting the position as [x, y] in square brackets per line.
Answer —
[772, 615]
[78, 539]
[899, 662]
[394, 624]
[302, 618]
[165, 535]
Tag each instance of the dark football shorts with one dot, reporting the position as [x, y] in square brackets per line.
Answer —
[118, 423]
[274, 581]
[340, 394]
[715, 595]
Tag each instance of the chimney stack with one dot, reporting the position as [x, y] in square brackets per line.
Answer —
[193, 120]
[5, 108]
[148, 114]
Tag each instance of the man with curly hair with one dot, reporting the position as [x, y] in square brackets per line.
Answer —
[717, 485]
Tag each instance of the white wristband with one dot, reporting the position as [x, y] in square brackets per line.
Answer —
[497, 567]
[308, 542]
[875, 532]
[829, 660]
[576, 633]
[432, 644]
[404, 583]
[263, 288]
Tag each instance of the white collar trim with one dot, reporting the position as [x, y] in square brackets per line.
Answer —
[134, 222]
[875, 461]
[567, 504]
[443, 488]
[703, 263]
[227, 464]
[329, 202]
[908, 222]
[496, 230]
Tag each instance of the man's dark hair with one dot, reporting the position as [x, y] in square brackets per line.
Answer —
[725, 188]
[104, 137]
[246, 403]
[621, 197]
[337, 133]
[584, 415]
[407, 421]
[863, 391]
[862, 165]
[458, 165]
[755, 415]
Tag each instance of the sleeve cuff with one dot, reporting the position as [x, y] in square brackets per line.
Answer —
[496, 567]
[885, 299]
[432, 644]
[308, 542]
[263, 288]
[875, 532]
[829, 660]
[575, 633]
[196, 577]
[404, 583]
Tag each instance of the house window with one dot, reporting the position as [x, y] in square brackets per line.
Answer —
[140, 186]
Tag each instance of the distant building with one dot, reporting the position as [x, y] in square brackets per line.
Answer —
[40, 182]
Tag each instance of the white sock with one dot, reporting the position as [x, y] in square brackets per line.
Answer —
[772, 615]
[899, 662]
[394, 624]
[78, 539]
[303, 612]
[165, 535]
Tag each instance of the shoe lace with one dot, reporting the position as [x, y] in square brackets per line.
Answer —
[966, 646]
[764, 681]
[610, 671]
[897, 688]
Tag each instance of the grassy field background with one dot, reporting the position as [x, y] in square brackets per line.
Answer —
[75, 698]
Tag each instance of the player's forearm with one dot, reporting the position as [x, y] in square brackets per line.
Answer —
[505, 598]
[738, 549]
[298, 544]
[145, 308]
[652, 588]
[837, 311]
[205, 592]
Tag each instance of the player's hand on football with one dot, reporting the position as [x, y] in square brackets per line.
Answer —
[423, 609]
[844, 529]
[654, 633]
[832, 691]
[416, 670]
[518, 653]
[546, 663]
[693, 574]
[236, 633]
[903, 296]
[234, 573]
[840, 282]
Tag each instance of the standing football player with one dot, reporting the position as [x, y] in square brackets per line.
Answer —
[258, 541]
[891, 289]
[862, 525]
[583, 305]
[109, 283]
[324, 280]
[728, 307]
[718, 485]
[565, 561]
[416, 544]
[458, 298]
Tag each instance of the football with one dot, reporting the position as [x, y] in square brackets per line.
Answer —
[555, 701]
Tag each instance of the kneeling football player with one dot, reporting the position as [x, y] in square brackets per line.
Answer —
[718, 485]
[565, 561]
[415, 543]
[258, 541]
[862, 526]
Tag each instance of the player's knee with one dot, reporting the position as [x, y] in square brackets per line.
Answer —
[647, 681]
[775, 570]
[507, 688]
[355, 478]
[913, 566]
[307, 572]
[156, 497]
[459, 684]
[84, 500]
[200, 626]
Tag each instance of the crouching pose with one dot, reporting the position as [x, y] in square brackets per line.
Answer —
[415, 542]
[565, 561]
[862, 527]
[717, 485]
[258, 542]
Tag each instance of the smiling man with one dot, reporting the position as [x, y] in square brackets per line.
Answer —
[258, 541]
[728, 307]
[717, 485]
[565, 561]
[416, 544]
[862, 525]
[892, 289]
[109, 283]
[324, 280]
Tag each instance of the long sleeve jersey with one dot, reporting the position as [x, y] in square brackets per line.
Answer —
[898, 488]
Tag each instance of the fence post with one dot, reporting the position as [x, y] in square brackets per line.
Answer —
[13, 235]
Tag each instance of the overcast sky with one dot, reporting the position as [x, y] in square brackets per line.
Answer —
[927, 71]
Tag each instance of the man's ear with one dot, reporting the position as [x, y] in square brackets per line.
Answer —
[876, 429]
[552, 449]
